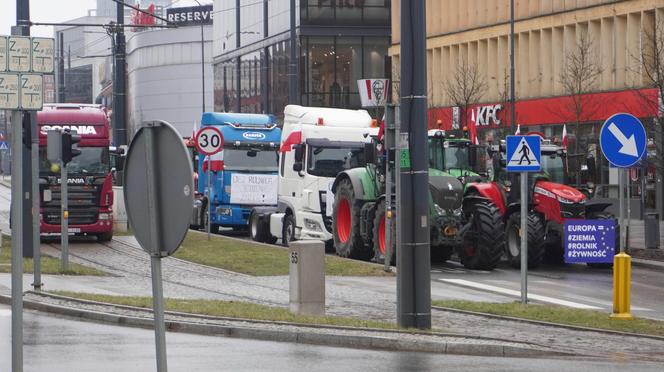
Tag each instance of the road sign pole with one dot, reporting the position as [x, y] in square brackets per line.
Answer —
[17, 243]
[209, 196]
[524, 237]
[155, 260]
[64, 217]
[35, 204]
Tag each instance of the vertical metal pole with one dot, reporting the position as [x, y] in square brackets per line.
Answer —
[512, 71]
[209, 195]
[391, 169]
[524, 237]
[17, 243]
[203, 64]
[413, 258]
[64, 217]
[120, 83]
[621, 202]
[628, 205]
[292, 70]
[155, 259]
[35, 205]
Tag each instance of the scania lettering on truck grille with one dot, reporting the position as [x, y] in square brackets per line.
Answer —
[80, 129]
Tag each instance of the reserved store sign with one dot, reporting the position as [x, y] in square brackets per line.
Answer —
[188, 16]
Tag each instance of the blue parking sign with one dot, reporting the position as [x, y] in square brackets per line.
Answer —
[590, 241]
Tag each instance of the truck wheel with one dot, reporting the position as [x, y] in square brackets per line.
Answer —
[288, 230]
[346, 223]
[605, 216]
[378, 236]
[256, 228]
[483, 243]
[105, 237]
[535, 240]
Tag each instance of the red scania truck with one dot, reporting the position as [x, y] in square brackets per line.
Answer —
[90, 192]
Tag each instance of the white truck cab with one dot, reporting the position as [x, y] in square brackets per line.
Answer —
[316, 144]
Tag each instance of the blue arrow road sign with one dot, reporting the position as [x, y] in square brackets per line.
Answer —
[524, 154]
[623, 140]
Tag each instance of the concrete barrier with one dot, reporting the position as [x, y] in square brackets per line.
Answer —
[307, 277]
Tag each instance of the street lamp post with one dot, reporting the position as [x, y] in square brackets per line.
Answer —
[202, 61]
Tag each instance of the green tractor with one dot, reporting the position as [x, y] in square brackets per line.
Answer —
[483, 230]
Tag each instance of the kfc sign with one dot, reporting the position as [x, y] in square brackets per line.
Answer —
[487, 115]
[194, 15]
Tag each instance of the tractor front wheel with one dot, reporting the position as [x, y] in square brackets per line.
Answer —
[535, 240]
[346, 223]
[483, 241]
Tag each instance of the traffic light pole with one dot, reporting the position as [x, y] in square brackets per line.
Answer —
[64, 217]
[413, 253]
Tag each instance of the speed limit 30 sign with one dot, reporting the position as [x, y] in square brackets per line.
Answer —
[209, 140]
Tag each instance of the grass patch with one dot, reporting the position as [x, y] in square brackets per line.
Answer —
[561, 315]
[123, 233]
[49, 265]
[231, 309]
[259, 260]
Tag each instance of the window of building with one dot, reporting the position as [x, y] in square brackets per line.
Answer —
[345, 12]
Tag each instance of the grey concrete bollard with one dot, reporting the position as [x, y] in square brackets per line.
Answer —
[120, 222]
[307, 277]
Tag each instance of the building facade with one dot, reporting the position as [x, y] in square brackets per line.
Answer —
[577, 63]
[311, 52]
[165, 77]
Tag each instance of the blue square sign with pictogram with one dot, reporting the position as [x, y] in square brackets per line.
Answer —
[524, 153]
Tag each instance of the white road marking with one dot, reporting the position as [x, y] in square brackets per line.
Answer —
[511, 292]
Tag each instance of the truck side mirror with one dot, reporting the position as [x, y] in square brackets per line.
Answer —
[297, 166]
[369, 153]
[299, 153]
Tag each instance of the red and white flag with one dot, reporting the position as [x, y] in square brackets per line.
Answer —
[565, 136]
[194, 129]
[518, 130]
[215, 161]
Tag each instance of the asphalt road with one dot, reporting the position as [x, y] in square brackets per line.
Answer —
[57, 344]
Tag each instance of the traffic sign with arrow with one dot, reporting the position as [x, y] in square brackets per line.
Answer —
[623, 140]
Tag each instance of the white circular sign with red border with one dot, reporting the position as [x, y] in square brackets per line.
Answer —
[209, 140]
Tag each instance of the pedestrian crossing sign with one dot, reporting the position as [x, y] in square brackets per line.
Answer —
[524, 153]
[3, 146]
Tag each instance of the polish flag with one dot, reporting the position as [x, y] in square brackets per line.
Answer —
[194, 130]
[216, 162]
[293, 139]
[472, 129]
[518, 130]
[565, 136]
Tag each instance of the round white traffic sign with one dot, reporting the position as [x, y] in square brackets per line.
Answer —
[209, 140]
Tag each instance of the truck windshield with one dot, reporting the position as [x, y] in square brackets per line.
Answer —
[330, 161]
[92, 161]
[251, 160]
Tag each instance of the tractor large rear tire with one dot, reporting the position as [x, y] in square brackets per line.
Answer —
[346, 223]
[483, 243]
[535, 240]
[379, 236]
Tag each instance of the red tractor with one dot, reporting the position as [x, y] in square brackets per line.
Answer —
[551, 202]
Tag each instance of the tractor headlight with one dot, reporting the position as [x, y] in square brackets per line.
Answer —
[457, 212]
[439, 210]
[312, 225]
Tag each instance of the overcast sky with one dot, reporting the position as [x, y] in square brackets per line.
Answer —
[55, 11]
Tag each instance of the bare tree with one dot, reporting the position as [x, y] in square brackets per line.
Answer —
[580, 75]
[651, 63]
[465, 88]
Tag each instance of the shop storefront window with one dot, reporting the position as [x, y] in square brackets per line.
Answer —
[345, 12]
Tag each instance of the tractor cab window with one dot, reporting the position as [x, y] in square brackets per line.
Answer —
[457, 156]
[553, 167]
[328, 160]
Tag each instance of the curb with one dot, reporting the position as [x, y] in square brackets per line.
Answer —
[650, 264]
[548, 324]
[303, 337]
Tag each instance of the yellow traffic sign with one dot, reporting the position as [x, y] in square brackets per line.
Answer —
[42, 54]
[9, 91]
[3, 53]
[32, 92]
[19, 53]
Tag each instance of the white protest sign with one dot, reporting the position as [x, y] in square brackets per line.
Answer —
[254, 189]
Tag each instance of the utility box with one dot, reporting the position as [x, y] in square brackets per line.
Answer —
[651, 225]
[307, 277]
